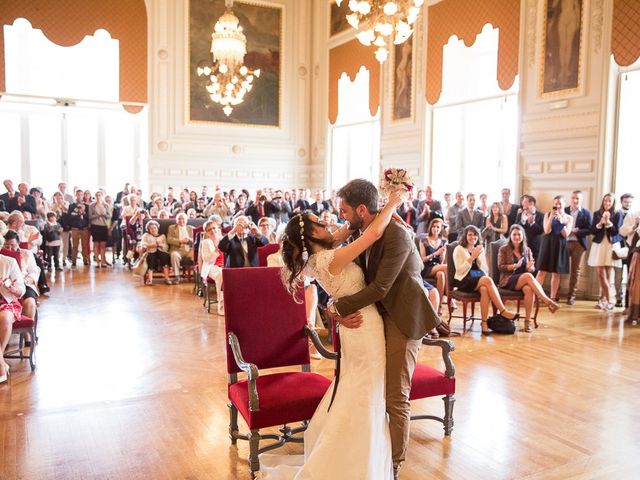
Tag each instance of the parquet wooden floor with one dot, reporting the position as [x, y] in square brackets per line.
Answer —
[131, 382]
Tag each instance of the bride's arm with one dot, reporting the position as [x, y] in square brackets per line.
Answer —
[340, 236]
[347, 254]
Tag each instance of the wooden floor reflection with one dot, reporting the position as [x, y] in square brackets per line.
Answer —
[131, 382]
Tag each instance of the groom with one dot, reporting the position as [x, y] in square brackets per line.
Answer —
[392, 269]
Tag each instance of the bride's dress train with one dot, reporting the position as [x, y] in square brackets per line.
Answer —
[351, 440]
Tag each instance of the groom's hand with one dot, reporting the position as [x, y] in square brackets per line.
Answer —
[350, 321]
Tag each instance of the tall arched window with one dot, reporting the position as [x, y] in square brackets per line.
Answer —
[474, 122]
[627, 141]
[355, 137]
[60, 118]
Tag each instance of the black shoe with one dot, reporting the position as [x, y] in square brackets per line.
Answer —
[619, 304]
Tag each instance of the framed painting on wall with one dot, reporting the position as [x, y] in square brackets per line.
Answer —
[338, 20]
[262, 25]
[402, 82]
[562, 57]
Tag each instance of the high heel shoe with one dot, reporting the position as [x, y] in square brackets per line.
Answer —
[485, 329]
[553, 306]
[515, 317]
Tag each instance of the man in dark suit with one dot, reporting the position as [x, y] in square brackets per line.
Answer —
[240, 245]
[23, 200]
[262, 207]
[392, 269]
[9, 195]
[409, 214]
[319, 205]
[428, 209]
[577, 240]
[302, 204]
[533, 223]
[469, 216]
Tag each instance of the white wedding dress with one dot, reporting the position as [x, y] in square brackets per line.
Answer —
[351, 440]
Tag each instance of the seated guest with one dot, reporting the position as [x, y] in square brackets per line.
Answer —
[23, 201]
[329, 220]
[212, 259]
[53, 242]
[192, 214]
[157, 249]
[533, 223]
[471, 275]
[240, 245]
[433, 249]
[200, 207]
[11, 290]
[180, 239]
[605, 229]
[99, 218]
[8, 197]
[30, 273]
[42, 206]
[516, 265]
[267, 228]
[240, 205]
[577, 240]
[469, 216]
[319, 205]
[163, 215]
[158, 206]
[496, 224]
[31, 236]
[554, 253]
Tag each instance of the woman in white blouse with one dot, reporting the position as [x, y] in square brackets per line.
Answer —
[471, 275]
[157, 250]
[11, 289]
[30, 274]
[212, 259]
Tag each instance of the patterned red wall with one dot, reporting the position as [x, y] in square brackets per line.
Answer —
[66, 22]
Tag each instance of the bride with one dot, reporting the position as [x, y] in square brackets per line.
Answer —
[349, 437]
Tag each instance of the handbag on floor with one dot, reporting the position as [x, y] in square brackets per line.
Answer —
[140, 267]
[500, 324]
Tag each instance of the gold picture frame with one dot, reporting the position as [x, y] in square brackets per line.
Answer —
[263, 25]
[402, 82]
[562, 39]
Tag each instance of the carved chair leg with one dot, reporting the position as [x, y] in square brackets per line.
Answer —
[32, 351]
[449, 400]
[254, 442]
[535, 313]
[464, 316]
[233, 423]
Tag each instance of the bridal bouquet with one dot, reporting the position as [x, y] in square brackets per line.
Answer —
[395, 180]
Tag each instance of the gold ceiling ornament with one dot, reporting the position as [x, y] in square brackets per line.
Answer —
[230, 80]
[380, 22]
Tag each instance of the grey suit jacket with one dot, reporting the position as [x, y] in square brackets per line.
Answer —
[394, 284]
[464, 220]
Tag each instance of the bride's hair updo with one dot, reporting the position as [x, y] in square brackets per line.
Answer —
[297, 242]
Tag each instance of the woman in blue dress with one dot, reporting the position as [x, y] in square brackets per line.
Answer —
[516, 266]
[554, 252]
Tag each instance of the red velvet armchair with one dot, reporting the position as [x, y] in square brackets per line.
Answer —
[264, 252]
[22, 327]
[265, 329]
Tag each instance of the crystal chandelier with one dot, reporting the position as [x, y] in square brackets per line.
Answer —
[380, 21]
[230, 80]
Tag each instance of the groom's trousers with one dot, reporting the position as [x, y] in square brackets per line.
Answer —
[402, 355]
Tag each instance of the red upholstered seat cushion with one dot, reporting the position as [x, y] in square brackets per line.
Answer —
[429, 382]
[24, 322]
[284, 398]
